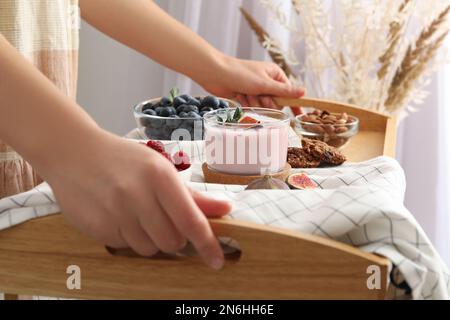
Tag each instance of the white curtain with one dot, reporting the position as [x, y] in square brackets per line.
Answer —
[220, 23]
[112, 78]
[442, 236]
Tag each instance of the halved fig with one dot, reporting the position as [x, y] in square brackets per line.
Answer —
[301, 181]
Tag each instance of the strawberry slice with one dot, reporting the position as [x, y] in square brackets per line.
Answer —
[248, 120]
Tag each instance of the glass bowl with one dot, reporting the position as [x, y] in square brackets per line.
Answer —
[167, 128]
[336, 134]
[247, 148]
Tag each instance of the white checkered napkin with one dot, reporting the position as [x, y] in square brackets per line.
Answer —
[35, 203]
[359, 204]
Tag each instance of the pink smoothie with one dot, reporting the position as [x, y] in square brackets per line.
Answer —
[244, 151]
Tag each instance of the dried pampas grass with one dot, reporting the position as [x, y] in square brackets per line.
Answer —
[396, 29]
[415, 61]
[359, 51]
[263, 38]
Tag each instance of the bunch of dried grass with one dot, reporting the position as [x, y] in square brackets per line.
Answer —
[359, 51]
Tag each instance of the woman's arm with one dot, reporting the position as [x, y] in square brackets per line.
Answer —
[145, 27]
[34, 115]
[105, 186]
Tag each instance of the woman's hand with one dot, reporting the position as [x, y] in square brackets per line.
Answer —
[116, 191]
[124, 194]
[252, 83]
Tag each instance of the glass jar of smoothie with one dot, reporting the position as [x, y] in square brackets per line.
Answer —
[256, 144]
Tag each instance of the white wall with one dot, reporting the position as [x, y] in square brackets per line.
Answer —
[112, 78]
[418, 153]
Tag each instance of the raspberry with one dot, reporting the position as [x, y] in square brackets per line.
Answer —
[181, 160]
[180, 157]
[156, 145]
[183, 166]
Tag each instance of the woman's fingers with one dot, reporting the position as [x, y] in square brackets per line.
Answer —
[280, 89]
[210, 207]
[275, 72]
[257, 101]
[267, 102]
[253, 101]
[190, 221]
[242, 99]
[277, 84]
[160, 228]
[144, 207]
[137, 239]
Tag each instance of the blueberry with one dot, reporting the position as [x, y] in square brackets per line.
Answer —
[167, 112]
[211, 102]
[194, 102]
[200, 100]
[224, 104]
[165, 101]
[183, 115]
[159, 135]
[190, 108]
[178, 101]
[159, 110]
[173, 122]
[144, 121]
[206, 109]
[166, 133]
[150, 112]
[152, 133]
[157, 123]
[186, 125]
[181, 108]
[185, 97]
[147, 106]
[193, 114]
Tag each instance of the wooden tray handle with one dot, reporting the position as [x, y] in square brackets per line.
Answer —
[53, 234]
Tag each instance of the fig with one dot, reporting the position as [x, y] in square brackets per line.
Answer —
[301, 181]
[268, 183]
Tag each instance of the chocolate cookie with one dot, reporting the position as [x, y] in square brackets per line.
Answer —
[323, 152]
[299, 158]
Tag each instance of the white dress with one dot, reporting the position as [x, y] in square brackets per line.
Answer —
[46, 33]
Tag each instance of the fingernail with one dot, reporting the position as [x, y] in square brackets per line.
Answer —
[217, 263]
[299, 91]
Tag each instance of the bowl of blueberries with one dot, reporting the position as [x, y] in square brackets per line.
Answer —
[177, 117]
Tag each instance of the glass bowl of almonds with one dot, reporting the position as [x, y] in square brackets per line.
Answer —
[336, 129]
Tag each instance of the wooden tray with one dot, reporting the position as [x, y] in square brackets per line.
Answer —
[274, 264]
[377, 132]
